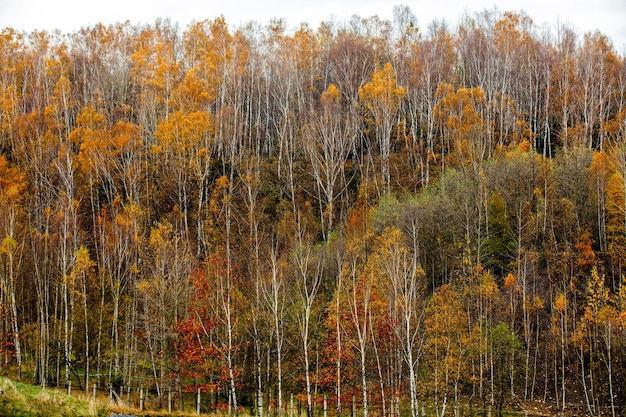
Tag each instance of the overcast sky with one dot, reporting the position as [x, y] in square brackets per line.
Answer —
[608, 16]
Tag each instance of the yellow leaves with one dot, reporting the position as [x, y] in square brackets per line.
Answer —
[82, 268]
[62, 89]
[607, 315]
[143, 286]
[331, 96]
[154, 59]
[537, 303]
[488, 285]
[159, 235]
[306, 49]
[210, 49]
[382, 92]
[603, 313]
[83, 261]
[597, 292]
[108, 154]
[463, 103]
[616, 217]
[446, 100]
[222, 184]
[459, 115]
[560, 303]
[184, 134]
[621, 296]
[448, 338]
[8, 245]
[123, 220]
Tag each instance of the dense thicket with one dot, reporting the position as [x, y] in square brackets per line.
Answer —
[383, 217]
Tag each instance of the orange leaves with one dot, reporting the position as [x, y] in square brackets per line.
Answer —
[89, 134]
[511, 32]
[615, 129]
[599, 166]
[211, 51]
[560, 303]
[331, 96]
[154, 60]
[460, 111]
[185, 133]
[306, 52]
[193, 93]
[382, 94]
[12, 182]
[586, 254]
[460, 116]
[89, 120]
[381, 99]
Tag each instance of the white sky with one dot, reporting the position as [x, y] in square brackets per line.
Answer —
[608, 16]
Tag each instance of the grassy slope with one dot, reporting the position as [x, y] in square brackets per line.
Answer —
[22, 400]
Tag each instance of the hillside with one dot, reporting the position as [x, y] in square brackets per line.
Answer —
[365, 215]
[22, 400]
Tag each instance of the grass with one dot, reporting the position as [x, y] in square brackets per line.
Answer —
[23, 400]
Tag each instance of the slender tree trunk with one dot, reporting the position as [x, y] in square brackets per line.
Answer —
[609, 364]
[279, 345]
[412, 379]
[228, 307]
[381, 381]
[14, 319]
[588, 402]
[86, 318]
[100, 332]
[364, 381]
[563, 333]
[339, 351]
[307, 363]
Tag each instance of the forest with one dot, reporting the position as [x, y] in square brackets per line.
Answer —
[367, 217]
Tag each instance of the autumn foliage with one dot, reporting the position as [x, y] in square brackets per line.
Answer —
[364, 215]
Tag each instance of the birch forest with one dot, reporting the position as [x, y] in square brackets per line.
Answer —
[369, 217]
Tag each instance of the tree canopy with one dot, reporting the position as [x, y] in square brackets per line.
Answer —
[256, 212]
